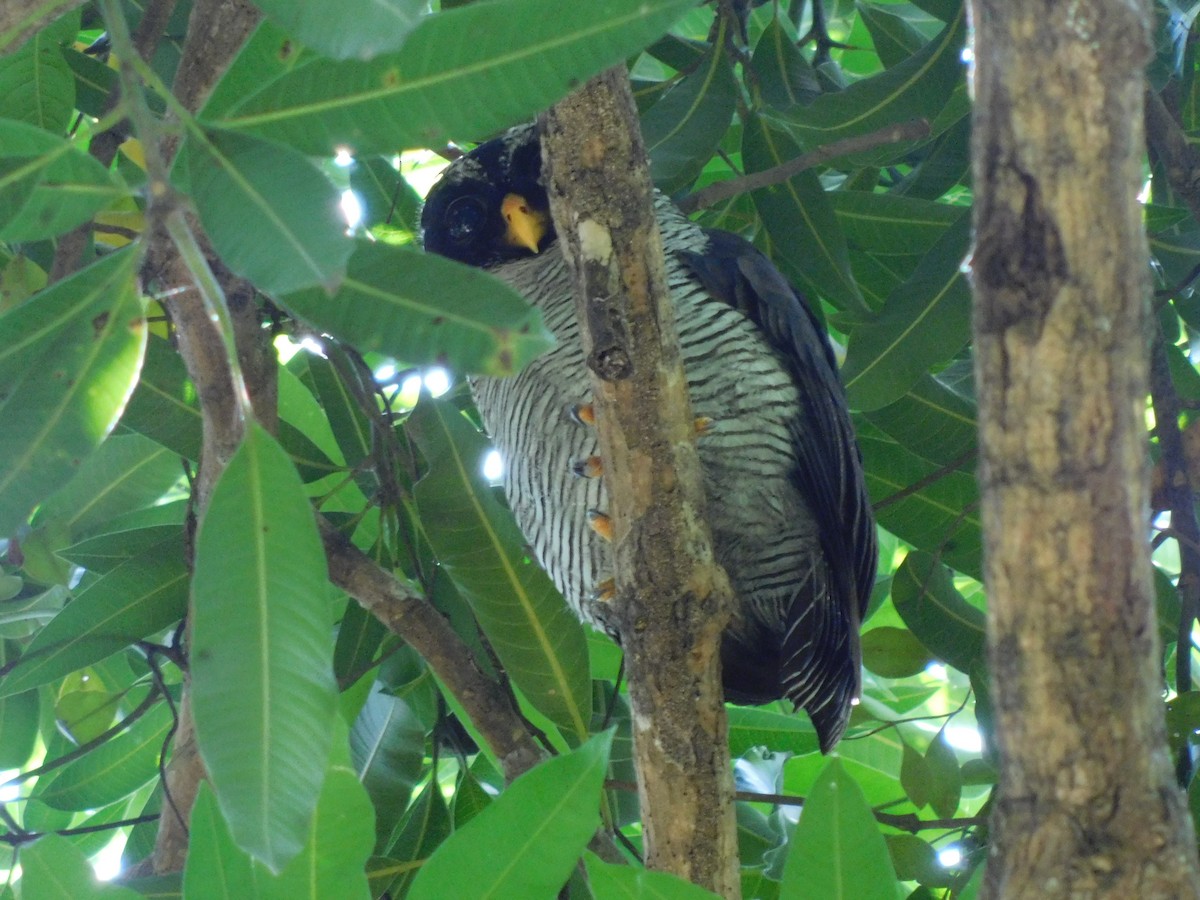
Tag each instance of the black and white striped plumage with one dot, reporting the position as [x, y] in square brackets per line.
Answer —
[789, 513]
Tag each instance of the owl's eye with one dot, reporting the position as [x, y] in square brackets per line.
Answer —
[465, 219]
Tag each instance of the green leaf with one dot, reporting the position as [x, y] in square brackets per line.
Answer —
[799, 218]
[94, 81]
[19, 719]
[892, 224]
[931, 421]
[945, 777]
[751, 726]
[54, 869]
[69, 359]
[894, 38]
[423, 309]
[525, 843]
[683, 128]
[522, 56]
[536, 635]
[916, 777]
[127, 472]
[16, 32]
[387, 747]
[785, 77]
[893, 652]
[925, 321]
[609, 881]
[36, 84]
[940, 516]
[114, 770]
[243, 186]
[331, 863]
[917, 88]
[127, 536]
[927, 600]
[263, 690]
[138, 598]
[916, 860]
[341, 402]
[837, 852]
[386, 197]
[425, 825]
[164, 406]
[268, 53]
[349, 29]
[47, 185]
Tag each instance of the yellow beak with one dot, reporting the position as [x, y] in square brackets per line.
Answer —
[524, 226]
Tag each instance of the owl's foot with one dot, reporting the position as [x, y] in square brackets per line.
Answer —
[600, 523]
[591, 467]
[582, 414]
[585, 414]
[604, 592]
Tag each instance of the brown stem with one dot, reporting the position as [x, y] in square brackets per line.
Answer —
[722, 190]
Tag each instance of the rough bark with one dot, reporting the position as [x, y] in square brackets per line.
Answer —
[1087, 806]
[672, 599]
[207, 53]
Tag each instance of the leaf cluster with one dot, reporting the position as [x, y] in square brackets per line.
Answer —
[340, 765]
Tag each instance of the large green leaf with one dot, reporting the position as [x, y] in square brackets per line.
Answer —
[36, 84]
[18, 27]
[69, 358]
[47, 184]
[784, 75]
[112, 771]
[263, 690]
[782, 732]
[126, 473]
[331, 863]
[387, 747]
[683, 128]
[925, 321]
[350, 28]
[423, 309]
[270, 212]
[138, 598]
[837, 851]
[799, 218]
[916, 88]
[55, 869]
[425, 825]
[940, 516]
[124, 537]
[462, 72]
[936, 612]
[892, 224]
[525, 843]
[932, 421]
[537, 637]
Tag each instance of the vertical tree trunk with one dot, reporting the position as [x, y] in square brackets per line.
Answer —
[1087, 804]
[673, 599]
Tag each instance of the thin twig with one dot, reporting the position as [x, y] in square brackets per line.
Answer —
[912, 130]
[922, 483]
[909, 822]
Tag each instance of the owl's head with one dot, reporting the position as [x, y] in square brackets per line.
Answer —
[490, 206]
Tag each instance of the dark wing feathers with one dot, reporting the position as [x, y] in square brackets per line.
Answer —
[829, 473]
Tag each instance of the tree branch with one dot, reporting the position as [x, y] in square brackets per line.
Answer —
[428, 632]
[672, 599]
[722, 190]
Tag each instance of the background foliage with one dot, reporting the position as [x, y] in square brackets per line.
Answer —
[336, 769]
